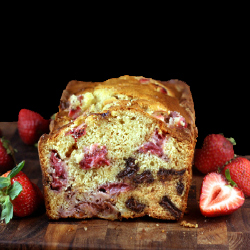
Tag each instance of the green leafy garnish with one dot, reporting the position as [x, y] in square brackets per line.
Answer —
[4, 182]
[15, 190]
[16, 169]
[7, 210]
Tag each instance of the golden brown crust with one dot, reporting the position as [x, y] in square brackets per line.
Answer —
[175, 95]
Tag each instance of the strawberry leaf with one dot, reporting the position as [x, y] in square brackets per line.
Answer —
[231, 140]
[7, 210]
[15, 190]
[6, 145]
[16, 169]
[4, 182]
[228, 176]
[53, 117]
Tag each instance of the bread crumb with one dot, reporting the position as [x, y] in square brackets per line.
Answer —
[71, 229]
[85, 228]
[162, 231]
[157, 225]
[187, 224]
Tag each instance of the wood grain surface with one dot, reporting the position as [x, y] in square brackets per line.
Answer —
[38, 232]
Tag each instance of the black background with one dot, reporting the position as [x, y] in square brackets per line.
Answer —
[37, 63]
[220, 96]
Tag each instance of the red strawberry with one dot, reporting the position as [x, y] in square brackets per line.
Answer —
[39, 195]
[7, 160]
[31, 126]
[218, 197]
[215, 152]
[239, 169]
[17, 194]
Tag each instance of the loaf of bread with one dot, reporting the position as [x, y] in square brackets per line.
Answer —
[117, 149]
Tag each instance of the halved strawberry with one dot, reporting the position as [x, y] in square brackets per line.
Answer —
[218, 197]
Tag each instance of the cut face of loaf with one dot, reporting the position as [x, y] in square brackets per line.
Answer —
[116, 161]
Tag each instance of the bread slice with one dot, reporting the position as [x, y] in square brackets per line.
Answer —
[122, 148]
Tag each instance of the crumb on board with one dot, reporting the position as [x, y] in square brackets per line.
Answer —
[71, 229]
[85, 228]
[187, 224]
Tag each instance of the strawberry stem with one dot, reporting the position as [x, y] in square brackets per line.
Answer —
[229, 179]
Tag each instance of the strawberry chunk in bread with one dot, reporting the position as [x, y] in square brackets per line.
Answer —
[120, 149]
[94, 157]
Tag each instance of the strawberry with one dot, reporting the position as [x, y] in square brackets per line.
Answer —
[7, 159]
[218, 197]
[17, 194]
[215, 152]
[39, 195]
[239, 170]
[31, 126]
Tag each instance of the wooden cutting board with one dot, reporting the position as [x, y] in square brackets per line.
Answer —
[37, 232]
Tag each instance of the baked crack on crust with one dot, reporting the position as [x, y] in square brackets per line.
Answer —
[122, 148]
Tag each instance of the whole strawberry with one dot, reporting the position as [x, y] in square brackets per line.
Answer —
[239, 170]
[215, 152]
[31, 126]
[17, 194]
[7, 160]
